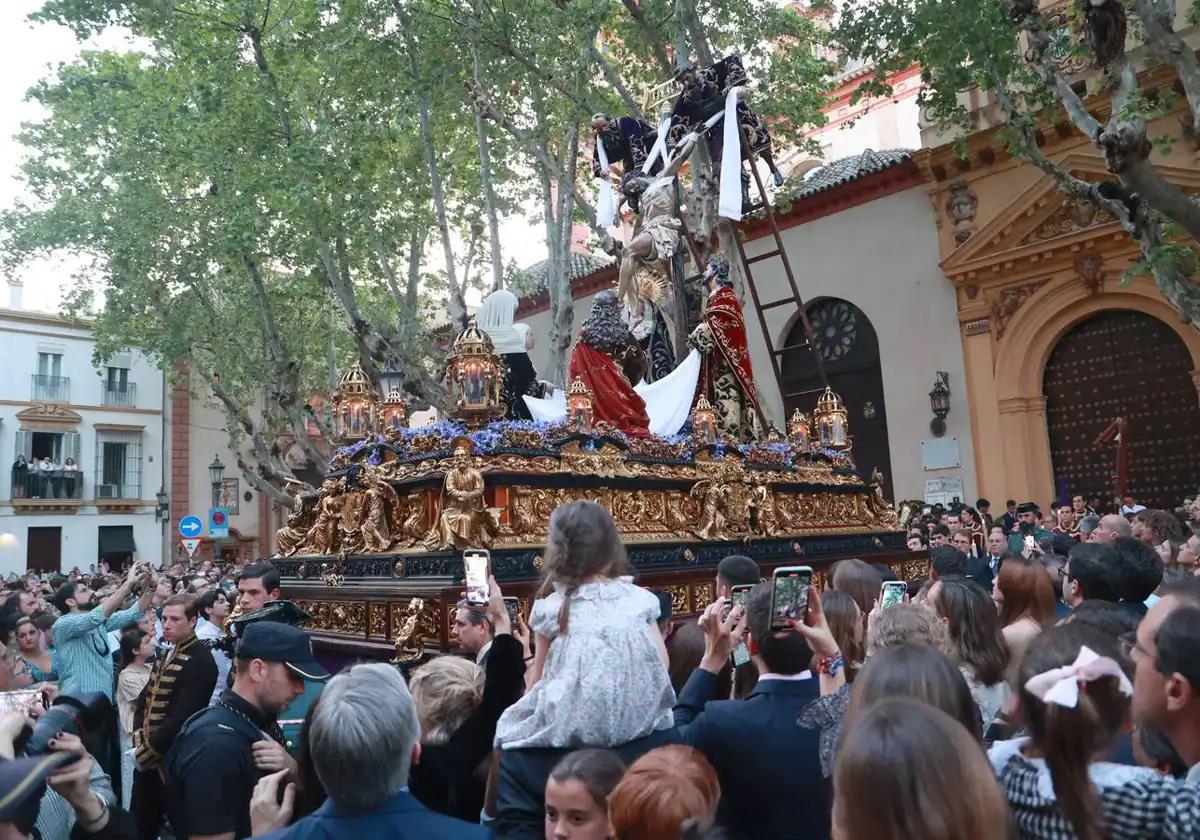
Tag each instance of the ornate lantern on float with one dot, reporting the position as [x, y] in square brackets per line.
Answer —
[476, 378]
[833, 431]
[355, 404]
[798, 430]
[579, 407]
[704, 420]
[392, 413]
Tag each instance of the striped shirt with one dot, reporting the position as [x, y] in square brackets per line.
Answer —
[81, 649]
[56, 817]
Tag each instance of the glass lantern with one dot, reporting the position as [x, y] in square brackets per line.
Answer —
[704, 420]
[476, 378]
[579, 407]
[798, 430]
[392, 413]
[355, 405]
[833, 430]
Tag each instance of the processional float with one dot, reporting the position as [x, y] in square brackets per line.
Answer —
[679, 454]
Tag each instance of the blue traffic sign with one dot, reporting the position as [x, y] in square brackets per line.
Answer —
[218, 523]
[190, 526]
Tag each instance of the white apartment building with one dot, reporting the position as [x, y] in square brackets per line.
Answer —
[83, 445]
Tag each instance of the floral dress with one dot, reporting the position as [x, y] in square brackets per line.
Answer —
[604, 682]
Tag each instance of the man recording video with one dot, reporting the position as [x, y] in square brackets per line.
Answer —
[81, 649]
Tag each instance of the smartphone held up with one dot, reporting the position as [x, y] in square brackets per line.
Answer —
[476, 571]
[892, 593]
[789, 596]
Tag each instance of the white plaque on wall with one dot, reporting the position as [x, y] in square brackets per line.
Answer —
[943, 491]
[940, 454]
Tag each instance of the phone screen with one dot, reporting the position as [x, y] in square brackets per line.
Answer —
[741, 653]
[511, 605]
[20, 701]
[892, 593]
[475, 566]
[789, 596]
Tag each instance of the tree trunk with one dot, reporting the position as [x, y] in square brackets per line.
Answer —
[485, 160]
[456, 302]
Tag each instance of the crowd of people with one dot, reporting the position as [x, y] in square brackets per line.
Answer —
[1042, 682]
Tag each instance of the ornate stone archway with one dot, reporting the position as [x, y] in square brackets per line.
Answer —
[1031, 336]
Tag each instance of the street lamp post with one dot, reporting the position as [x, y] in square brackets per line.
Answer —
[162, 509]
[216, 474]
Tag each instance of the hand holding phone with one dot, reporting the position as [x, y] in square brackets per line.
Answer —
[476, 570]
[892, 593]
[723, 627]
[789, 596]
[814, 627]
[513, 608]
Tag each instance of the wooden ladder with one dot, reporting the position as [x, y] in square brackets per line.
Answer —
[747, 262]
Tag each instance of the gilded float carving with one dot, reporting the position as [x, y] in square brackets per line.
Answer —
[382, 505]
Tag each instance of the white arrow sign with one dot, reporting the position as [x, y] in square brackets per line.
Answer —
[189, 545]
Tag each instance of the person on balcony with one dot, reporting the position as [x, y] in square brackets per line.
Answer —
[20, 478]
[70, 476]
[46, 469]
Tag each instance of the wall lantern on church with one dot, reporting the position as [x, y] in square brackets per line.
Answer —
[704, 420]
[355, 406]
[939, 401]
[798, 430]
[476, 378]
[833, 430]
[579, 407]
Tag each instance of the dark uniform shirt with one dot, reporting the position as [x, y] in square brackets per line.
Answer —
[210, 769]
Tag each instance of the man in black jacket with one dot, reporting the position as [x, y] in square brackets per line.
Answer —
[222, 752]
[768, 766]
[180, 685]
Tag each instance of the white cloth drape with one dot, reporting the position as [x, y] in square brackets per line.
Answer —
[606, 210]
[729, 205]
[495, 317]
[660, 146]
[668, 401]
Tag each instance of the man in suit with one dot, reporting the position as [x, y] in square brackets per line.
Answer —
[768, 766]
[984, 569]
[364, 738]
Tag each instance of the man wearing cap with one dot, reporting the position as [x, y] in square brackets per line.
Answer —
[222, 752]
[80, 802]
[1027, 526]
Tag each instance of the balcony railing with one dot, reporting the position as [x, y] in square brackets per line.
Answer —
[35, 483]
[51, 388]
[119, 394]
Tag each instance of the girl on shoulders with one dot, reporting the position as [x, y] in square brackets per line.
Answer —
[600, 674]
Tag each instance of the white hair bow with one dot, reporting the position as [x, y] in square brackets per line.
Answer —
[1061, 685]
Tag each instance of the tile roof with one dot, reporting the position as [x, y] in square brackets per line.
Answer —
[847, 169]
[581, 265]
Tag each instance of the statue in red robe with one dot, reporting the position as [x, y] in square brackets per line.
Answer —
[609, 360]
[726, 377]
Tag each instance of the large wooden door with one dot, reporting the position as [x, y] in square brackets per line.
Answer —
[44, 550]
[850, 352]
[1123, 364]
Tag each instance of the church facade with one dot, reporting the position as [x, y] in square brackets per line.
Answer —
[1057, 342]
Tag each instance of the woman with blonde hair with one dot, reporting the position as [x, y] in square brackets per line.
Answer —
[458, 706]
